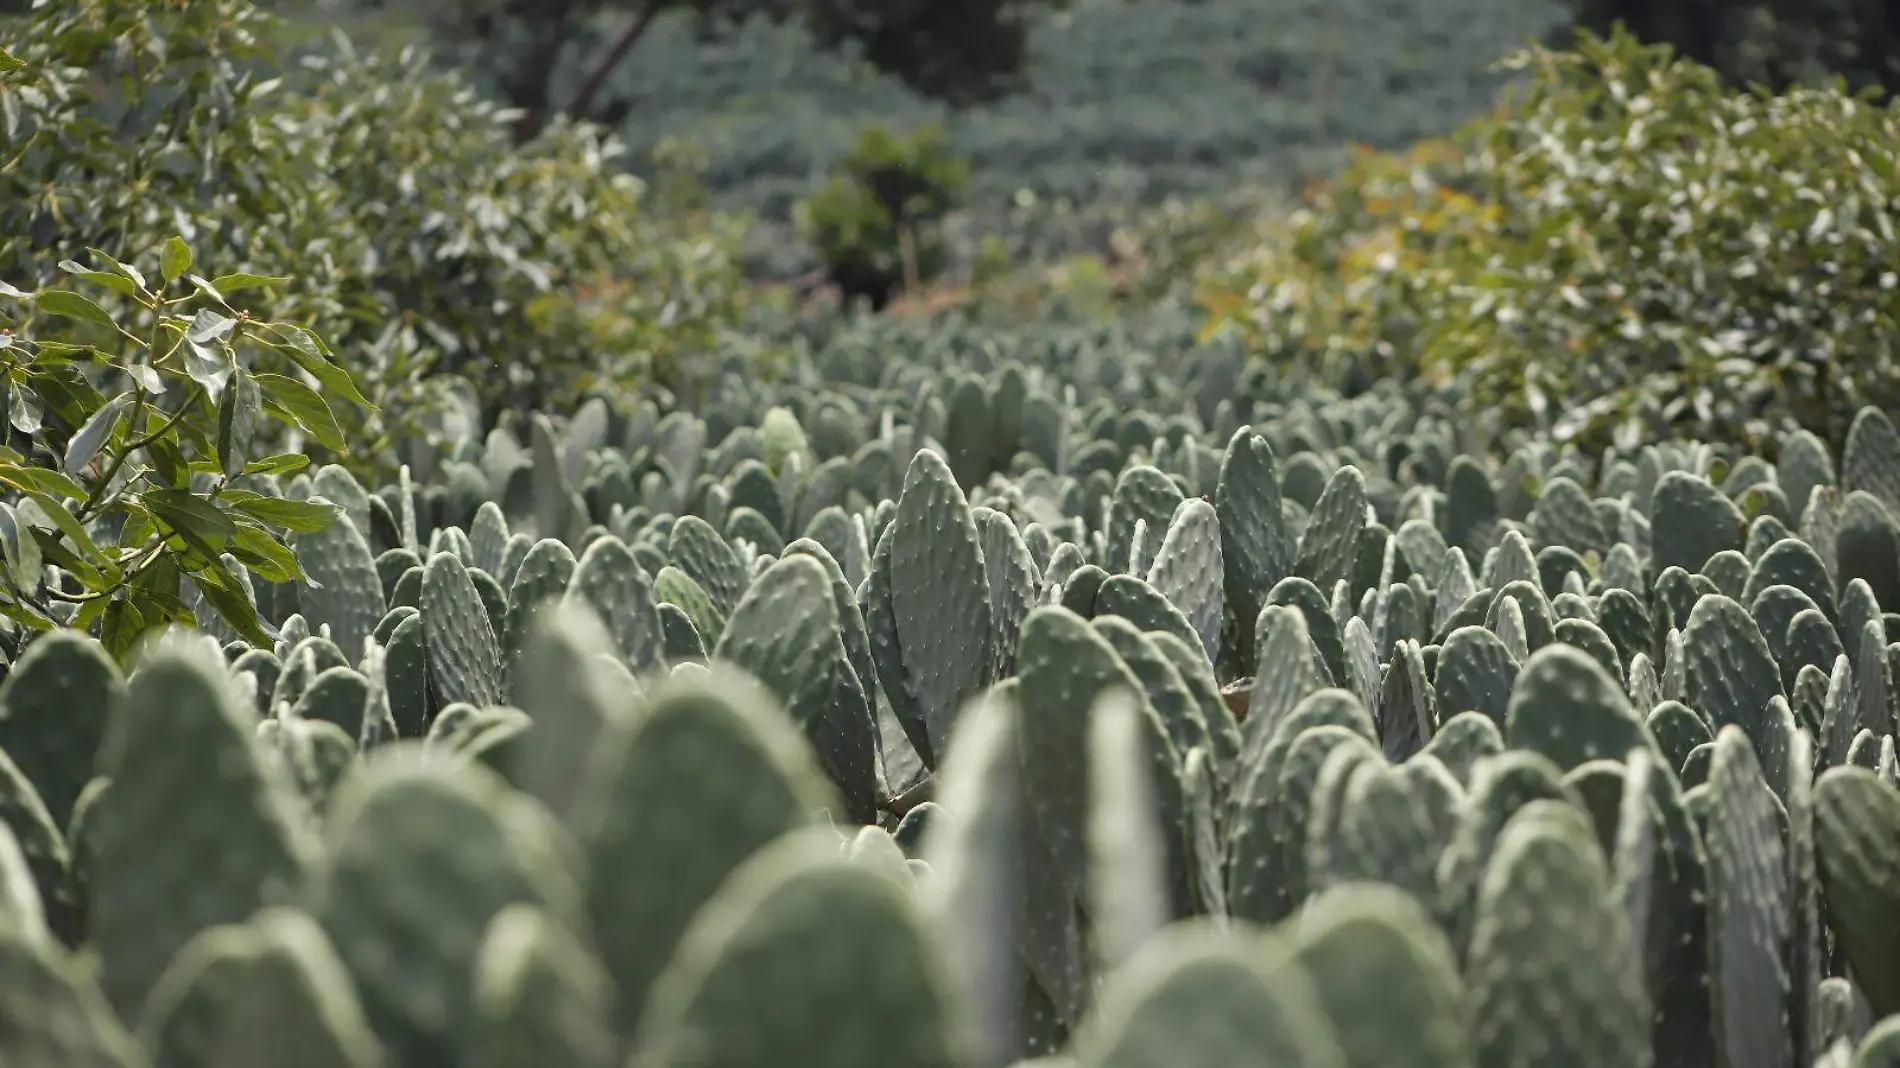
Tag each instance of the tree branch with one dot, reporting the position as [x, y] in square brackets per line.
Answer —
[583, 104]
[528, 88]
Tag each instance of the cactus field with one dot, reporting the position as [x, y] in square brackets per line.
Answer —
[968, 698]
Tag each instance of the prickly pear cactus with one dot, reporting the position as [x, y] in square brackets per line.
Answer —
[940, 595]
[540, 997]
[56, 706]
[1545, 993]
[671, 803]
[202, 835]
[52, 1013]
[464, 655]
[772, 970]
[409, 830]
[1857, 841]
[275, 975]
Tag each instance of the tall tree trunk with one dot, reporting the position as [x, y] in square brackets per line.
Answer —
[528, 84]
[583, 106]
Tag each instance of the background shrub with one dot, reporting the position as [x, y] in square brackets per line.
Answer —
[422, 239]
[876, 222]
[1629, 246]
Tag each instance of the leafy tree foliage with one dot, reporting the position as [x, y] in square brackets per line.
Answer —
[1773, 42]
[1629, 248]
[216, 268]
[876, 221]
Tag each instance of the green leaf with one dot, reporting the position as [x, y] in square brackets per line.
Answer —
[311, 355]
[41, 480]
[157, 588]
[121, 627]
[118, 283]
[44, 510]
[208, 325]
[137, 276]
[301, 517]
[196, 520]
[168, 463]
[211, 366]
[206, 287]
[25, 569]
[303, 406]
[284, 463]
[25, 616]
[24, 411]
[49, 351]
[90, 612]
[237, 421]
[225, 593]
[65, 392]
[174, 259]
[232, 283]
[56, 552]
[87, 441]
[72, 305]
[269, 559]
[138, 528]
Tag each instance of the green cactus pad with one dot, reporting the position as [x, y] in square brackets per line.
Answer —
[1139, 603]
[608, 580]
[1464, 740]
[1748, 909]
[1002, 906]
[676, 587]
[1257, 551]
[1547, 993]
[1692, 521]
[1129, 895]
[20, 905]
[52, 1014]
[1168, 694]
[880, 624]
[1857, 841]
[1365, 945]
[348, 594]
[1565, 706]
[1197, 998]
[1198, 676]
[668, 808]
[464, 656]
[1289, 668]
[339, 696]
[273, 983]
[561, 684]
[1870, 461]
[1189, 571]
[1063, 666]
[540, 996]
[422, 854]
[777, 968]
[55, 707]
[1500, 786]
[203, 835]
[1331, 538]
[42, 850]
[940, 595]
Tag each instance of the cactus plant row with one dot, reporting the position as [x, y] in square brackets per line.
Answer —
[1002, 709]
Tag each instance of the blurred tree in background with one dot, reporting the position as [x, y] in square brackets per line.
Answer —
[962, 52]
[1778, 43]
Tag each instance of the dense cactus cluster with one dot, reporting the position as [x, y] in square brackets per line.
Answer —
[1054, 701]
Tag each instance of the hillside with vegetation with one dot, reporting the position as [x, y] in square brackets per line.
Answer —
[1440, 609]
[1127, 103]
